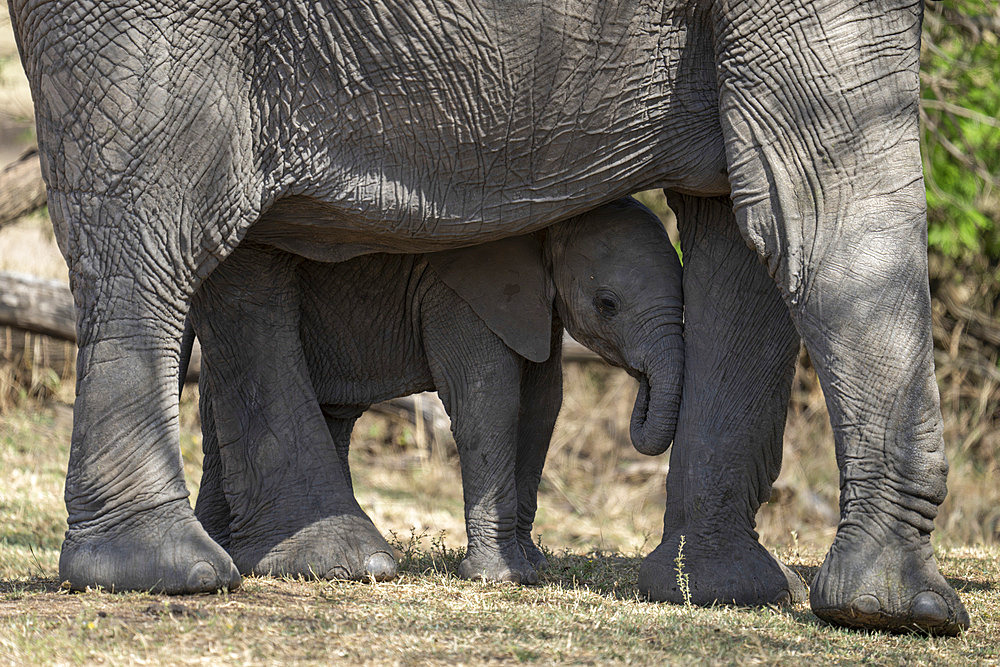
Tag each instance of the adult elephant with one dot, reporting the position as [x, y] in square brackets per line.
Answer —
[170, 131]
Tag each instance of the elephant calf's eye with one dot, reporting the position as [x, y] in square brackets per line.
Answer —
[606, 304]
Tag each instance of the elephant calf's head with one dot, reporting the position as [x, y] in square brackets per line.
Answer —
[618, 291]
[618, 285]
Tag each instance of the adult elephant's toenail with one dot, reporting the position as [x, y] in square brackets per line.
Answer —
[782, 598]
[337, 572]
[929, 609]
[202, 577]
[380, 566]
[866, 605]
[234, 577]
[511, 577]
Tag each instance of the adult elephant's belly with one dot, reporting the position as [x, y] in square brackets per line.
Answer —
[438, 132]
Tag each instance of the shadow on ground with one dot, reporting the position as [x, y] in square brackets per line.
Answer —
[608, 574]
[968, 585]
[11, 589]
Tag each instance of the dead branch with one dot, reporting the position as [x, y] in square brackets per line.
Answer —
[37, 305]
[432, 415]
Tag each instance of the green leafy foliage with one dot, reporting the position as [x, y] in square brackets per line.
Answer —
[960, 114]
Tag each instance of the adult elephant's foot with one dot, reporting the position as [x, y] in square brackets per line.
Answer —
[888, 583]
[739, 571]
[501, 563]
[532, 553]
[342, 546]
[162, 550]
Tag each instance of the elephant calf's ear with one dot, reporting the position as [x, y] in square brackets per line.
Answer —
[506, 284]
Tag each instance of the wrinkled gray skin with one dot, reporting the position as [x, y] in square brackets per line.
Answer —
[617, 286]
[172, 131]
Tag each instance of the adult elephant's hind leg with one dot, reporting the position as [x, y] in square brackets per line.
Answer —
[340, 420]
[212, 508]
[740, 352]
[292, 510]
[130, 524]
[824, 162]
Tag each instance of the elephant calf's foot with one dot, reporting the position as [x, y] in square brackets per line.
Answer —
[739, 572]
[886, 584]
[345, 546]
[503, 563]
[164, 550]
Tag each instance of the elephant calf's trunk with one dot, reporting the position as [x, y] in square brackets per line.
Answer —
[657, 405]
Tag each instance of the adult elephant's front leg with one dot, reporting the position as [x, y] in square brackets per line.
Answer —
[292, 512]
[130, 524]
[740, 348]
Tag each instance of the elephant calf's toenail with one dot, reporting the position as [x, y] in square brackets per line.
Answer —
[380, 567]
[929, 609]
[866, 604]
[202, 577]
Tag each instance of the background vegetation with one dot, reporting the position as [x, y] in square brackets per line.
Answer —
[601, 504]
[961, 128]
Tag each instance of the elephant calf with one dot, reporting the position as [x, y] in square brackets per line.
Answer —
[309, 346]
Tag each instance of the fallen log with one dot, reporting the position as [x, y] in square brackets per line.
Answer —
[22, 189]
[37, 305]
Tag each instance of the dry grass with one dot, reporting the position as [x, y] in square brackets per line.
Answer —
[15, 96]
[586, 609]
[16, 112]
[580, 614]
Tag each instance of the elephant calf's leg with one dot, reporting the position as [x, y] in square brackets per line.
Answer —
[740, 353]
[292, 510]
[478, 378]
[541, 398]
[340, 420]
